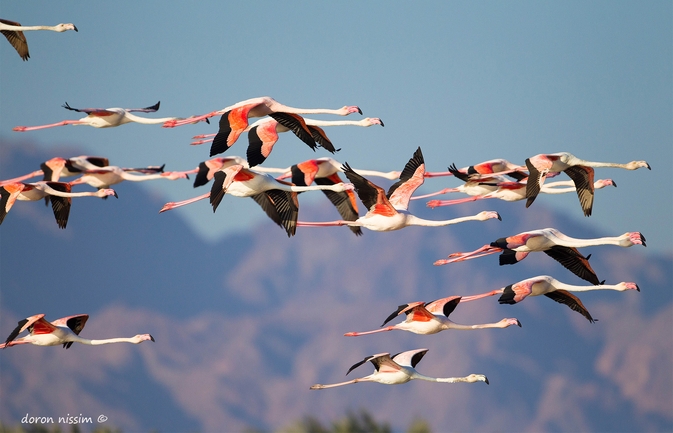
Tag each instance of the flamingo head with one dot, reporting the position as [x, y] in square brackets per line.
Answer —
[65, 27]
[106, 192]
[510, 322]
[487, 215]
[142, 337]
[602, 183]
[634, 238]
[350, 109]
[635, 165]
[477, 378]
[628, 286]
[369, 121]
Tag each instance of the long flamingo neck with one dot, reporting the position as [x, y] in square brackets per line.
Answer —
[24, 177]
[148, 121]
[392, 175]
[109, 341]
[416, 221]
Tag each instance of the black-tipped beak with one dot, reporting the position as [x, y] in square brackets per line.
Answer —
[614, 184]
[116, 196]
[637, 288]
[152, 338]
[382, 123]
[360, 111]
[207, 121]
[518, 323]
[75, 28]
[648, 166]
[499, 217]
[487, 383]
[642, 238]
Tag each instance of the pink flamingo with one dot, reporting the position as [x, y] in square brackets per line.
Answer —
[400, 368]
[555, 290]
[103, 177]
[433, 317]
[277, 198]
[63, 331]
[106, 118]
[389, 212]
[552, 242]
[579, 170]
[234, 120]
[508, 191]
[13, 31]
[59, 192]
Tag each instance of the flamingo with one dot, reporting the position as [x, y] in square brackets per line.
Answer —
[59, 192]
[511, 191]
[400, 368]
[486, 168]
[277, 198]
[555, 290]
[389, 212]
[263, 134]
[433, 317]
[63, 331]
[552, 242]
[57, 167]
[106, 118]
[579, 170]
[13, 31]
[104, 177]
[235, 117]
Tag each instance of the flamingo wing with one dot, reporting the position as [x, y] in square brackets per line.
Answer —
[572, 301]
[8, 194]
[409, 358]
[411, 178]
[297, 125]
[16, 39]
[375, 359]
[404, 308]
[344, 201]
[443, 306]
[583, 178]
[535, 180]
[94, 111]
[321, 139]
[261, 139]
[459, 174]
[75, 323]
[371, 195]
[60, 205]
[574, 261]
[27, 324]
[281, 206]
[150, 109]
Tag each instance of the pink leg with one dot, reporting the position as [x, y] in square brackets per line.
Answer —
[173, 205]
[483, 295]
[437, 203]
[443, 191]
[22, 178]
[190, 120]
[324, 224]
[51, 125]
[460, 257]
[356, 334]
[438, 174]
[196, 143]
[204, 136]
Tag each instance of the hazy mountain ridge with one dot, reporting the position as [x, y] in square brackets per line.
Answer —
[246, 325]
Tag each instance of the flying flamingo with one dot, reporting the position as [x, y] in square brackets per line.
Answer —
[277, 198]
[263, 134]
[104, 177]
[106, 118]
[235, 117]
[579, 170]
[433, 317]
[57, 167]
[554, 289]
[59, 192]
[552, 242]
[511, 191]
[389, 212]
[13, 31]
[483, 169]
[400, 368]
[63, 331]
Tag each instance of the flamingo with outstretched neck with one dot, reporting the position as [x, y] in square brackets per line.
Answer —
[13, 31]
[400, 368]
[388, 212]
[555, 290]
[63, 331]
[433, 317]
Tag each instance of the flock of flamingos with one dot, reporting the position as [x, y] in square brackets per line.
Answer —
[385, 211]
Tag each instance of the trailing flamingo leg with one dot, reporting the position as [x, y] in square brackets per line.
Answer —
[437, 203]
[460, 257]
[356, 334]
[324, 224]
[443, 191]
[51, 125]
[173, 204]
[22, 178]
[204, 135]
[173, 123]
[483, 295]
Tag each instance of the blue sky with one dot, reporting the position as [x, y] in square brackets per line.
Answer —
[467, 81]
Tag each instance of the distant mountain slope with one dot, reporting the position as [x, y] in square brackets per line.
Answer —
[246, 325]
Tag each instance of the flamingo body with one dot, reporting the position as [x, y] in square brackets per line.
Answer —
[13, 31]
